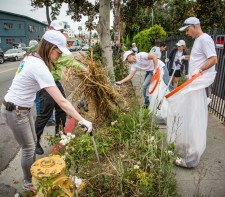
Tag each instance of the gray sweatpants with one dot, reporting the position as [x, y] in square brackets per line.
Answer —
[23, 130]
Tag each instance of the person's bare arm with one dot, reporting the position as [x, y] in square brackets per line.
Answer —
[154, 58]
[209, 63]
[128, 77]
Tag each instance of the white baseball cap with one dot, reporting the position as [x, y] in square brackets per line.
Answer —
[188, 22]
[181, 43]
[126, 54]
[58, 39]
[57, 25]
[156, 51]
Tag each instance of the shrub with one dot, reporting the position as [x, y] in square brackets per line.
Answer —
[146, 38]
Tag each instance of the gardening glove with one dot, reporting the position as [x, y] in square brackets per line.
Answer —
[167, 60]
[196, 72]
[182, 58]
[117, 83]
[86, 124]
[186, 77]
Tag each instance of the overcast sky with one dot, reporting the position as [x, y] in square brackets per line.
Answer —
[23, 7]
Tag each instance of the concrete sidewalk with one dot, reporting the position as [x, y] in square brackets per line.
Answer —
[208, 178]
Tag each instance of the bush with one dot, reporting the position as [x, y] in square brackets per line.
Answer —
[145, 39]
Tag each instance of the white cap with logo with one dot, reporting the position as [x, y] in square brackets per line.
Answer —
[58, 39]
[126, 54]
[188, 22]
[181, 43]
[57, 25]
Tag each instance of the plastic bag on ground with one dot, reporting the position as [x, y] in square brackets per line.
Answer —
[156, 92]
[187, 118]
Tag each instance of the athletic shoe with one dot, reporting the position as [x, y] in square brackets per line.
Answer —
[28, 186]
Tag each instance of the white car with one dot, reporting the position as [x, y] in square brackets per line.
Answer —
[14, 54]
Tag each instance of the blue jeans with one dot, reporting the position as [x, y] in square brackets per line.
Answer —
[166, 78]
[145, 85]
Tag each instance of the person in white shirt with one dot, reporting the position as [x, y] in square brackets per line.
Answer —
[177, 62]
[203, 55]
[32, 75]
[203, 58]
[144, 62]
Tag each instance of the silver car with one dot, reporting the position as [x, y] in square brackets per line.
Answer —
[14, 54]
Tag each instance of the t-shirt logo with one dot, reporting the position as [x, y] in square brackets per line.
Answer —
[154, 50]
[20, 67]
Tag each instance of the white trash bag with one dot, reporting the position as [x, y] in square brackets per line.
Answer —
[187, 118]
[157, 89]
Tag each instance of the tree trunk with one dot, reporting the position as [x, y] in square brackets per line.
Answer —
[116, 22]
[103, 29]
[48, 15]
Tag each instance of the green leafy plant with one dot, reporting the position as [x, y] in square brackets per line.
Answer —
[146, 38]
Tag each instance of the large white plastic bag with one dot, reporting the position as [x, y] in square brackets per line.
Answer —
[160, 115]
[187, 119]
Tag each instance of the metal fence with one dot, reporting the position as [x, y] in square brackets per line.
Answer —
[217, 105]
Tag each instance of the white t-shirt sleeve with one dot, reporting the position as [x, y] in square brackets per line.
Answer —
[43, 76]
[209, 47]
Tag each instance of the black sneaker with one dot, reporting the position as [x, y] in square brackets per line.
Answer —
[39, 150]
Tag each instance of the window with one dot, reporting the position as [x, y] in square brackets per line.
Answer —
[30, 28]
[8, 26]
[20, 26]
[10, 41]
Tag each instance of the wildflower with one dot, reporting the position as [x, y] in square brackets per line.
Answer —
[63, 157]
[17, 195]
[138, 162]
[113, 123]
[152, 139]
[63, 136]
[77, 181]
[136, 167]
[170, 152]
[122, 156]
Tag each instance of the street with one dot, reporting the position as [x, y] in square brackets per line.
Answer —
[8, 145]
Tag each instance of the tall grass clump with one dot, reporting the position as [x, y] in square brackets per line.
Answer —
[134, 159]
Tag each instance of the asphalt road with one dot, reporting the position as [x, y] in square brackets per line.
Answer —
[8, 145]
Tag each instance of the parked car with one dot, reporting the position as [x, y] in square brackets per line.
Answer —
[14, 54]
[75, 48]
[1, 56]
[85, 48]
[22, 46]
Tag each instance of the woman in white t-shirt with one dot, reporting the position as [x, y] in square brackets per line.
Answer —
[176, 59]
[32, 75]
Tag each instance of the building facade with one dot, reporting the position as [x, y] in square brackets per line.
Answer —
[16, 28]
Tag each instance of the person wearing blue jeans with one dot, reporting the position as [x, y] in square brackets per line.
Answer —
[141, 61]
[158, 52]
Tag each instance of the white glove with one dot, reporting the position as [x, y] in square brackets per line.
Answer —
[117, 83]
[182, 58]
[154, 71]
[86, 124]
[167, 60]
[195, 72]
